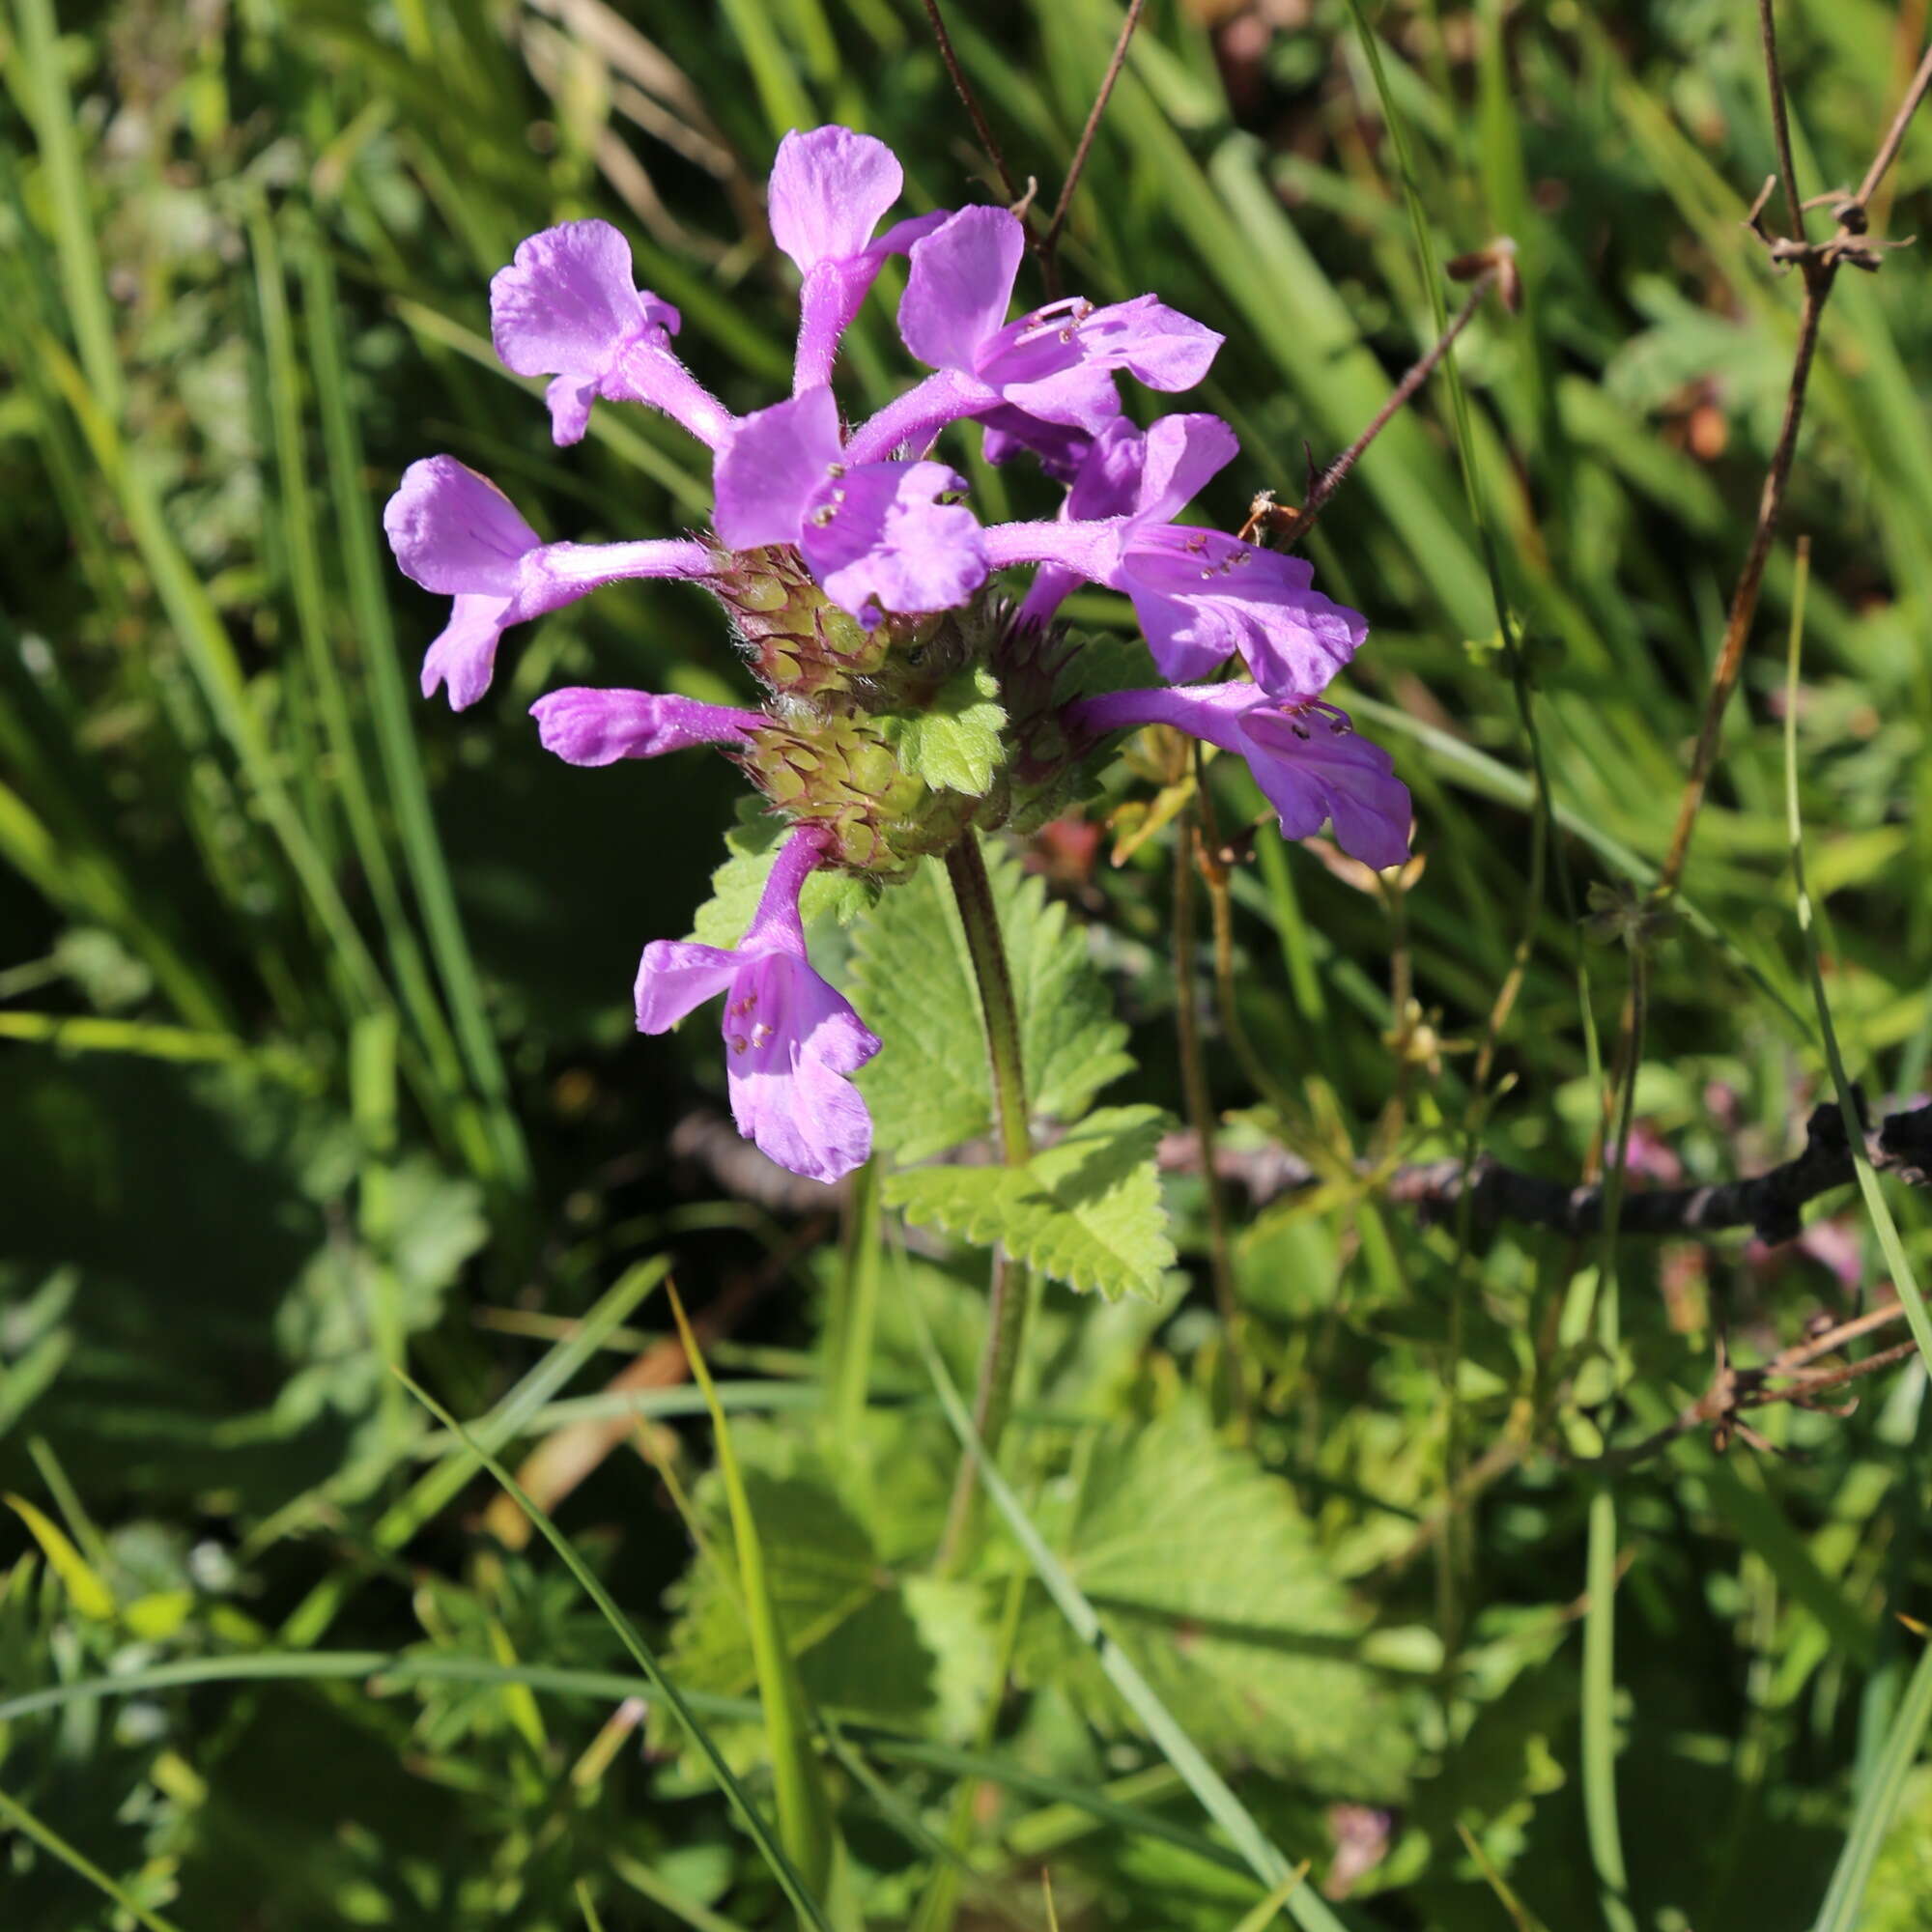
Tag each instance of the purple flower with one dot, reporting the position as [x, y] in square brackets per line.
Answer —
[455, 533]
[1061, 449]
[830, 189]
[1200, 596]
[1055, 364]
[875, 534]
[1305, 756]
[585, 727]
[569, 307]
[793, 1041]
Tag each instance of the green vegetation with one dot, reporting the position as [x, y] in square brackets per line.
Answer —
[372, 1557]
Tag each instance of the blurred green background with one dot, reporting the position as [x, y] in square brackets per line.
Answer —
[316, 1052]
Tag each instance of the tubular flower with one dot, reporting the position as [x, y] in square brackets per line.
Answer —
[585, 727]
[568, 307]
[830, 189]
[1200, 596]
[792, 1040]
[1305, 756]
[858, 587]
[875, 534]
[1054, 366]
[455, 533]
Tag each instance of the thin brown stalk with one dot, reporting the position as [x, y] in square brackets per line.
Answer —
[1894, 136]
[1050, 240]
[1744, 600]
[970, 100]
[1294, 526]
[1819, 264]
[1781, 127]
[1200, 1110]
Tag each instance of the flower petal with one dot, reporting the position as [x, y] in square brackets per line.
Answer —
[1314, 766]
[1183, 452]
[959, 285]
[454, 531]
[878, 539]
[830, 189]
[792, 1040]
[1082, 394]
[463, 655]
[1156, 345]
[769, 467]
[1060, 447]
[585, 727]
[1201, 595]
[569, 303]
[677, 976]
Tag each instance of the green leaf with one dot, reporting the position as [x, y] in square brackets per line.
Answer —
[954, 744]
[871, 1645]
[1086, 1210]
[1899, 1895]
[929, 1089]
[85, 1590]
[753, 845]
[1208, 1573]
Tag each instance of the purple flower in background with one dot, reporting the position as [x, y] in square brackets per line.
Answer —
[875, 534]
[1200, 596]
[455, 533]
[1306, 757]
[793, 1041]
[568, 307]
[586, 726]
[1055, 364]
[830, 189]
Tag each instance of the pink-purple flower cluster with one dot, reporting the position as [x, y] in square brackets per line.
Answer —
[843, 543]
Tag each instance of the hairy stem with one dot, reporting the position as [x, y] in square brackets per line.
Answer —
[1006, 1315]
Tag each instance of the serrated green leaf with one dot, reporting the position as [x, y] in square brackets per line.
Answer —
[1208, 1572]
[753, 845]
[954, 743]
[1086, 1210]
[869, 1644]
[929, 1088]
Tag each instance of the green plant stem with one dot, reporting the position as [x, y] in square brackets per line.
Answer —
[1009, 1292]
[1599, 1701]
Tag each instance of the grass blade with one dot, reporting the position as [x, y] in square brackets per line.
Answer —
[645, 1658]
[1877, 1802]
[1257, 1850]
[390, 712]
[1884, 1226]
[24, 1821]
[805, 1812]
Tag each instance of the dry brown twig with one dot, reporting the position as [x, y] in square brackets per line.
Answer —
[1818, 264]
[1791, 1375]
[1490, 267]
[1768, 1204]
